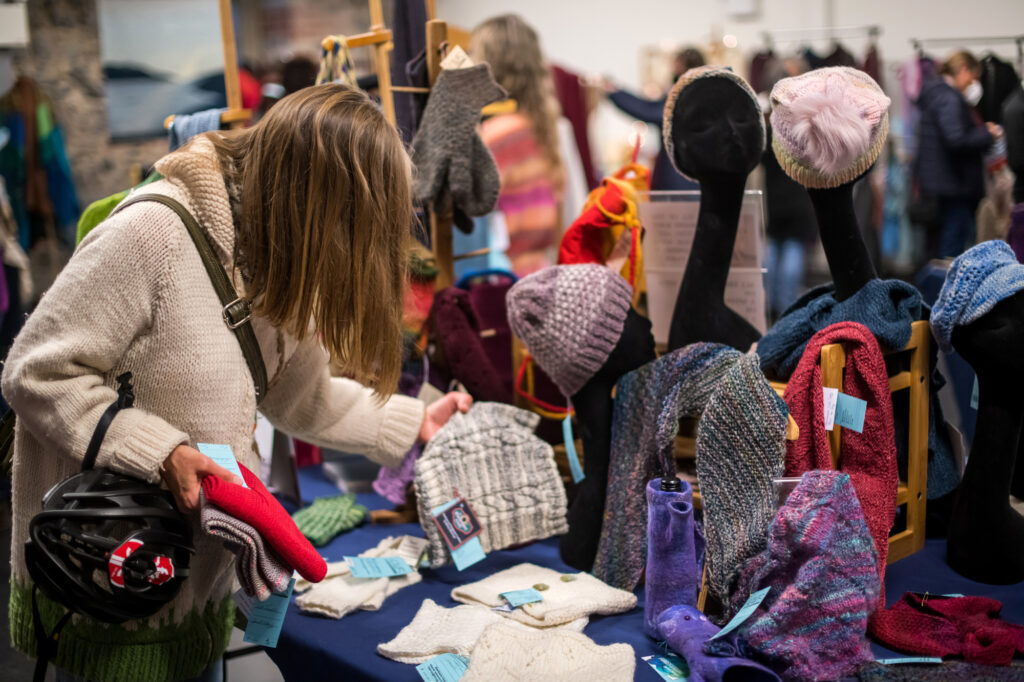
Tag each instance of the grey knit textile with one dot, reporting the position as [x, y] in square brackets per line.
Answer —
[259, 569]
[741, 447]
[570, 317]
[506, 473]
[448, 153]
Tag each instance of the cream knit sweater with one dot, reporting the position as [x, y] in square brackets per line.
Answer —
[136, 297]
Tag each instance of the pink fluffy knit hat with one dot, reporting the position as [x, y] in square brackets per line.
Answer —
[828, 125]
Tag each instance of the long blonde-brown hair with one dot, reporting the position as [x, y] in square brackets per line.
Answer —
[323, 226]
[512, 48]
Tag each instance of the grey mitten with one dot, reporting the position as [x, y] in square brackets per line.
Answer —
[448, 153]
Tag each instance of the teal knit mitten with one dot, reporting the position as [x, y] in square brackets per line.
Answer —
[329, 517]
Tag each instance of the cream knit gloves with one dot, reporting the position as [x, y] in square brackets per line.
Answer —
[567, 596]
[340, 593]
[435, 630]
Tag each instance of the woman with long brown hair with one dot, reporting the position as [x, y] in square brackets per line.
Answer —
[309, 212]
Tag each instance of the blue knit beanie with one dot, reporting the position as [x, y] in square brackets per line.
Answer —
[977, 280]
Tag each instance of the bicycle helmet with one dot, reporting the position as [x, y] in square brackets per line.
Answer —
[106, 545]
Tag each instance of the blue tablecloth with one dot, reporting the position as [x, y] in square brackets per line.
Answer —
[315, 648]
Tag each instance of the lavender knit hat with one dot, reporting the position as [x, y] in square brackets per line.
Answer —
[828, 125]
[570, 317]
[689, 77]
[978, 279]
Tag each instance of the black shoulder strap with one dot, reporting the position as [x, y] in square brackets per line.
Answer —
[125, 399]
[236, 312]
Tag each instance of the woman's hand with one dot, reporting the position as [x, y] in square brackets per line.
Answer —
[994, 129]
[438, 413]
[183, 471]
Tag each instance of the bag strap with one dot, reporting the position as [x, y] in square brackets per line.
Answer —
[125, 400]
[236, 312]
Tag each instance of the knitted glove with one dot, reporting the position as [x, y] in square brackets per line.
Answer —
[257, 507]
[458, 331]
[435, 630]
[567, 596]
[328, 517]
[258, 568]
[505, 652]
[447, 152]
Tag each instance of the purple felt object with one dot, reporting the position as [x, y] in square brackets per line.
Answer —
[672, 575]
[1016, 233]
[391, 482]
[687, 631]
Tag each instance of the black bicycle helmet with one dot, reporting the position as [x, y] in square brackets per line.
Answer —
[106, 545]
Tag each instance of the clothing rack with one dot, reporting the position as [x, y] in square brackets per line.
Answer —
[919, 43]
[791, 35]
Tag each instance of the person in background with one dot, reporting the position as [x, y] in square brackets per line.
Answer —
[952, 141]
[664, 176]
[525, 143]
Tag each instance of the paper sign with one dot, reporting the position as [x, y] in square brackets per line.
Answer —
[222, 455]
[850, 412]
[669, 667]
[267, 617]
[517, 598]
[570, 450]
[974, 394]
[443, 668]
[830, 396]
[905, 661]
[470, 553]
[377, 567]
[753, 601]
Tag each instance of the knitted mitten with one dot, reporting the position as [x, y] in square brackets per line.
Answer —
[328, 517]
[458, 332]
[741, 447]
[257, 507]
[447, 152]
[567, 596]
[687, 631]
[436, 630]
[258, 568]
[505, 652]
[672, 577]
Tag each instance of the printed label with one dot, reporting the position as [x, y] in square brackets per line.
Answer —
[753, 601]
[222, 455]
[517, 598]
[377, 567]
[457, 523]
[443, 668]
[829, 396]
[850, 412]
[266, 618]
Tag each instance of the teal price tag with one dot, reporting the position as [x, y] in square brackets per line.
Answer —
[377, 567]
[669, 667]
[267, 617]
[222, 455]
[443, 668]
[909, 661]
[471, 552]
[517, 598]
[753, 601]
[570, 450]
[850, 412]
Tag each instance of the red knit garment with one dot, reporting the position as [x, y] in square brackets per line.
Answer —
[257, 507]
[949, 626]
[868, 457]
[588, 239]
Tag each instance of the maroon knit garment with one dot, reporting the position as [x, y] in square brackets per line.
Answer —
[868, 457]
[949, 626]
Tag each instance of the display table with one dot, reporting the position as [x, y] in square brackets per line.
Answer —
[315, 648]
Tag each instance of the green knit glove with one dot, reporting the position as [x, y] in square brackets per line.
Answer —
[329, 517]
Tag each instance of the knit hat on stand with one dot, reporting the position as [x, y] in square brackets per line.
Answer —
[686, 79]
[505, 472]
[649, 403]
[977, 280]
[570, 317]
[828, 125]
[505, 652]
[741, 447]
[820, 564]
[329, 517]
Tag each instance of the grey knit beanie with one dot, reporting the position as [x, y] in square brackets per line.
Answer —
[570, 317]
[507, 474]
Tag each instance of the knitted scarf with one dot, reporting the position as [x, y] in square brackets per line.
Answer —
[649, 402]
[868, 457]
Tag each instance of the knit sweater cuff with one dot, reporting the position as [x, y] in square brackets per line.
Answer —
[399, 428]
[137, 443]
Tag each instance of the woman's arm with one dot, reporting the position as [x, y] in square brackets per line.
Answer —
[101, 302]
[646, 110]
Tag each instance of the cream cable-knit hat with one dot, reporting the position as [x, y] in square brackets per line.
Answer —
[567, 596]
[505, 652]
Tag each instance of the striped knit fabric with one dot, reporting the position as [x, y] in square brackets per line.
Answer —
[820, 566]
[741, 447]
[329, 517]
[527, 197]
[649, 402]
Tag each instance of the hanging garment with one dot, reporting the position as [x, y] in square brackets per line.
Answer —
[873, 64]
[998, 81]
[409, 39]
[186, 126]
[759, 67]
[1013, 130]
[573, 97]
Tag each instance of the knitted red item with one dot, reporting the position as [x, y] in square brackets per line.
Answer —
[868, 457]
[458, 332]
[257, 507]
[949, 626]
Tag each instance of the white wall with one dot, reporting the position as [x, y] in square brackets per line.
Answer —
[604, 36]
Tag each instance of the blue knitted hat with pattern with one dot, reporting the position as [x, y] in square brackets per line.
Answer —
[978, 280]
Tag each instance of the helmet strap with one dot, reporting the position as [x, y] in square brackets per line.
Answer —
[46, 644]
[125, 400]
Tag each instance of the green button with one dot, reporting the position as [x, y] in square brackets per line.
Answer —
[540, 587]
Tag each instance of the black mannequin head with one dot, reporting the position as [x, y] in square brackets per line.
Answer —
[634, 349]
[992, 343]
[716, 129]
